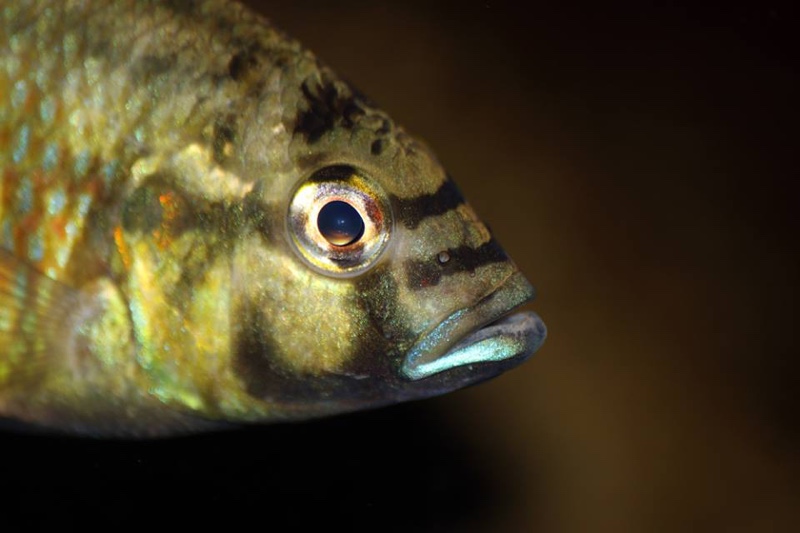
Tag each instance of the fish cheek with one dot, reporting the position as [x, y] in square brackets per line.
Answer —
[267, 368]
[262, 364]
[296, 333]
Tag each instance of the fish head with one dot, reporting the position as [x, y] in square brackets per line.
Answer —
[372, 281]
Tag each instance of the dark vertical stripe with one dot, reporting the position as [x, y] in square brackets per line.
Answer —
[412, 211]
[421, 273]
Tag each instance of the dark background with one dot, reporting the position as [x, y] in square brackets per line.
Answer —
[638, 160]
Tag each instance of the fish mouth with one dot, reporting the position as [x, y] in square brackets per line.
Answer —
[483, 333]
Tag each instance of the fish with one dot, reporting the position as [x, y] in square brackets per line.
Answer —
[202, 226]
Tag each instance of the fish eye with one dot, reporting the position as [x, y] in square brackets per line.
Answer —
[339, 221]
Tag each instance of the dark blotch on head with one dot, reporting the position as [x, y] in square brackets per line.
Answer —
[142, 211]
[326, 107]
[224, 136]
[158, 205]
[426, 273]
[257, 214]
[377, 147]
[243, 63]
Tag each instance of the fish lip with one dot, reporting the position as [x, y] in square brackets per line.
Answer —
[485, 332]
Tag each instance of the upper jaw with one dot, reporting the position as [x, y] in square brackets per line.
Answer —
[481, 333]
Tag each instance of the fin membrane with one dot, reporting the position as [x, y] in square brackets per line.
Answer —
[35, 315]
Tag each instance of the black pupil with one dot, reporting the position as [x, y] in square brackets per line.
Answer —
[340, 223]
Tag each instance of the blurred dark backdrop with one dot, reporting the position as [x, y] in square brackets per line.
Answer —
[639, 162]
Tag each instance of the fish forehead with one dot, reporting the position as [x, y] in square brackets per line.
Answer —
[144, 79]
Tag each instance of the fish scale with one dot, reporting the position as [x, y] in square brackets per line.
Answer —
[50, 183]
[162, 266]
[44, 205]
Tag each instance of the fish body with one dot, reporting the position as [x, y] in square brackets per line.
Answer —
[201, 224]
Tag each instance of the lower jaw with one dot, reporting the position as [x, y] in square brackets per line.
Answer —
[505, 337]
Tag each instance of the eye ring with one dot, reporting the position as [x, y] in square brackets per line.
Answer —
[339, 221]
